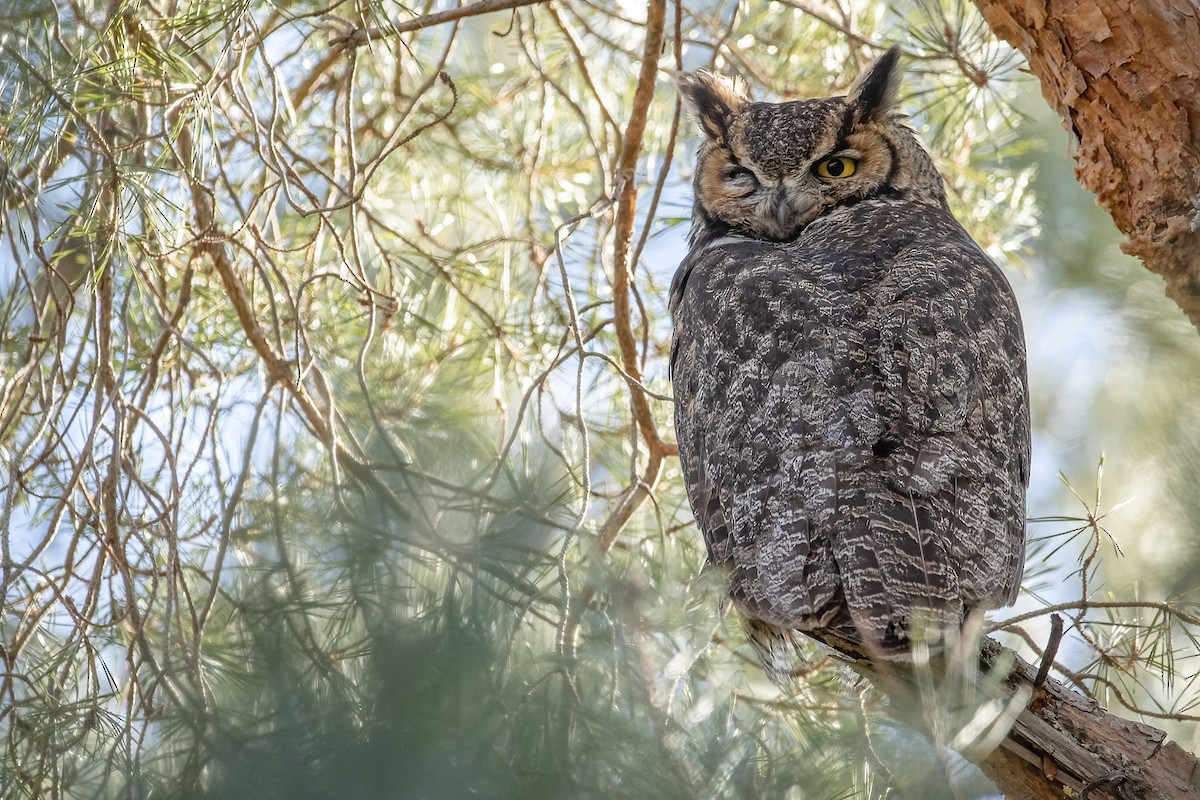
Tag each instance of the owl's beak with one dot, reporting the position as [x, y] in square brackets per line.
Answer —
[791, 206]
[783, 208]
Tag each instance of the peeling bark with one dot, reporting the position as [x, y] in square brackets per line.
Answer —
[1065, 742]
[1125, 77]
[1059, 745]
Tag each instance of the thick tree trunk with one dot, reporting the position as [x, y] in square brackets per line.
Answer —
[1125, 77]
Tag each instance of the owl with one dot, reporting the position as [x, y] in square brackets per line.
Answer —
[849, 376]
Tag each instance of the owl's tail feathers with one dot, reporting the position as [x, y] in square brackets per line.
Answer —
[918, 574]
[896, 580]
[782, 652]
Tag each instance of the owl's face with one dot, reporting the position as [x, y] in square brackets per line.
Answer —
[766, 170]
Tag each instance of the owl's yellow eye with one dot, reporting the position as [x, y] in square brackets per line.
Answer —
[836, 167]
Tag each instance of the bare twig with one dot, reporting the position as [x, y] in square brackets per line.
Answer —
[362, 36]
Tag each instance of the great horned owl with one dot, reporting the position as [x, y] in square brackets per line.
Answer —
[849, 374]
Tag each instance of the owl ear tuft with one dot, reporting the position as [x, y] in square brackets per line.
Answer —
[713, 99]
[874, 93]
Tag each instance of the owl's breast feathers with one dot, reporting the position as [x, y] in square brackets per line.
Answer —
[853, 420]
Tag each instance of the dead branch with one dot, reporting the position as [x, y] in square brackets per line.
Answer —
[362, 36]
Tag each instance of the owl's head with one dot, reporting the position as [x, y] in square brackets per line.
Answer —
[766, 170]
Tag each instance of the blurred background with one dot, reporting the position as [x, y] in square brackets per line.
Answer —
[326, 472]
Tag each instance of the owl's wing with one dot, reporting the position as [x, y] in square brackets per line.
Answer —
[955, 398]
[748, 347]
[931, 476]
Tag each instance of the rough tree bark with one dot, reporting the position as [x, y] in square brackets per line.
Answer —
[1050, 743]
[1065, 745]
[1125, 77]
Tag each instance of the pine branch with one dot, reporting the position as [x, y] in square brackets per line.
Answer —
[1065, 739]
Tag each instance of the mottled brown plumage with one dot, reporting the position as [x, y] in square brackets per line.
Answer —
[849, 373]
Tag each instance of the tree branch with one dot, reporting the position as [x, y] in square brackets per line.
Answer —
[1068, 740]
[279, 369]
[1059, 740]
[631, 149]
[361, 36]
